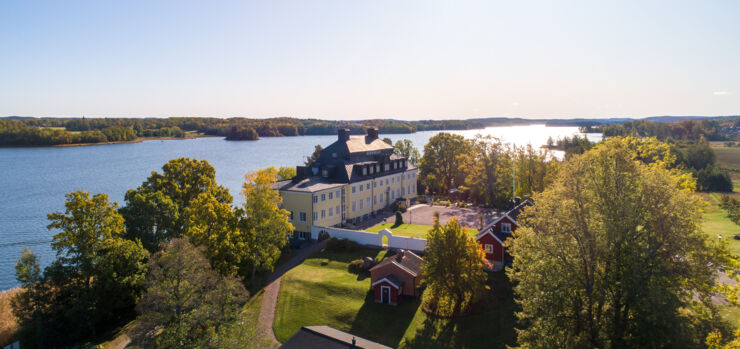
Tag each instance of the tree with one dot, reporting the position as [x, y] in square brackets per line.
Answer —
[315, 156]
[213, 225]
[155, 211]
[406, 149]
[535, 170]
[453, 272]
[399, 218]
[614, 256]
[95, 279]
[186, 298]
[285, 173]
[439, 165]
[265, 225]
[487, 169]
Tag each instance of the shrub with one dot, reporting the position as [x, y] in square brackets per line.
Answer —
[323, 235]
[356, 266]
[342, 245]
[399, 218]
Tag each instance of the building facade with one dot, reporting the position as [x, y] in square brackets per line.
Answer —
[353, 179]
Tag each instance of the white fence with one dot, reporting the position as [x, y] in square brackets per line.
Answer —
[373, 239]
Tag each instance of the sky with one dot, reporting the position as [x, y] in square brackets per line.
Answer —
[352, 59]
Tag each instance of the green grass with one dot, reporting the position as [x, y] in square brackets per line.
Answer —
[321, 291]
[716, 223]
[728, 158]
[410, 230]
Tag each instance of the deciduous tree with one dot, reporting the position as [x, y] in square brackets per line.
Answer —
[439, 165]
[453, 272]
[614, 256]
[155, 211]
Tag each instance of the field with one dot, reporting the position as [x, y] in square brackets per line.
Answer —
[410, 230]
[321, 291]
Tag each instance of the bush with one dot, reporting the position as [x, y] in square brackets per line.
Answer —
[323, 235]
[713, 179]
[399, 218]
[342, 245]
[356, 266]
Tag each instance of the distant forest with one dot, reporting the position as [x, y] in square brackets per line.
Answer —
[57, 131]
[27, 131]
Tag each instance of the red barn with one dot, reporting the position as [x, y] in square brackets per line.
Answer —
[396, 276]
[492, 237]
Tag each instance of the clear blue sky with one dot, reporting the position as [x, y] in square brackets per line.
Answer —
[351, 59]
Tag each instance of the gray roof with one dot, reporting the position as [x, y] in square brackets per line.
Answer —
[310, 185]
[358, 144]
[325, 337]
[407, 261]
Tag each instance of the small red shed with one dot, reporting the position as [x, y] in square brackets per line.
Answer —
[396, 276]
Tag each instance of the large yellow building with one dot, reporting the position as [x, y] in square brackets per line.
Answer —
[353, 179]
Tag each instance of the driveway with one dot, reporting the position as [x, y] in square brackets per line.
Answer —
[468, 216]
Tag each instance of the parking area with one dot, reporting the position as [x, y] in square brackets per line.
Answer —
[424, 214]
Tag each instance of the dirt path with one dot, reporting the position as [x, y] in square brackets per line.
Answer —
[269, 300]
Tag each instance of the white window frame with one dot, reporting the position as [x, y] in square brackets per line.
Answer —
[315, 216]
[315, 199]
[323, 197]
[506, 228]
[488, 248]
[331, 195]
[331, 211]
[302, 216]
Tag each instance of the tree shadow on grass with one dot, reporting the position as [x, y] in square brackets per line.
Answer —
[384, 323]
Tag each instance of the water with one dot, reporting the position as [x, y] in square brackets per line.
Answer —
[33, 181]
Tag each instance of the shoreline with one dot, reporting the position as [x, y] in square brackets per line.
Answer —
[137, 140]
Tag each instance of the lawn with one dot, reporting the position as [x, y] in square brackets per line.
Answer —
[410, 230]
[716, 223]
[728, 158]
[321, 291]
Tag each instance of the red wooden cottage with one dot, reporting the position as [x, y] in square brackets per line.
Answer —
[395, 277]
[492, 237]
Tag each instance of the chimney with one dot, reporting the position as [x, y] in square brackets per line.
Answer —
[372, 133]
[343, 134]
[399, 255]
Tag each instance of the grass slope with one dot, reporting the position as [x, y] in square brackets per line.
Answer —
[321, 291]
[410, 230]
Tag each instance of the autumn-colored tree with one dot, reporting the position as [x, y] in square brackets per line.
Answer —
[265, 225]
[613, 256]
[535, 170]
[453, 272]
[214, 226]
[285, 172]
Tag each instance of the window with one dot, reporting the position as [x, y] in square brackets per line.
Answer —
[506, 227]
[323, 197]
[381, 182]
[291, 215]
[367, 186]
[364, 171]
[372, 169]
[315, 216]
[489, 248]
[331, 195]
[375, 184]
[325, 173]
[409, 190]
[368, 201]
[375, 200]
[331, 212]
[302, 216]
[337, 209]
[337, 193]
[323, 214]
[354, 205]
[393, 180]
[386, 181]
[403, 191]
[304, 235]
[334, 155]
[315, 199]
[361, 186]
[387, 167]
[361, 203]
[381, 198]
[377, 168]
[353, 189]
[393, 194]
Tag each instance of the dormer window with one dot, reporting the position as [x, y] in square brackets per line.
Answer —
[387, 167]
[325, 173]
[334, 155]
[377, 168]
[372, 169]
[364, 171]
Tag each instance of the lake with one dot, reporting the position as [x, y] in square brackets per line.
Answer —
[35, 180]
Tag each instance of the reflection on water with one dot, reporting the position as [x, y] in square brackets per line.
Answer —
[34, 180]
